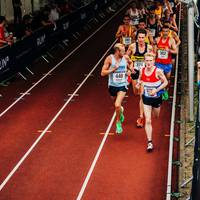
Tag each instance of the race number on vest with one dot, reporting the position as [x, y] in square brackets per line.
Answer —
[119, 77]
[153, 32]
[147, 92]
[126, 40]
[138, 64]
[162, 54]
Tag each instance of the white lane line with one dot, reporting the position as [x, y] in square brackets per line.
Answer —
[24, 93]
[95, 159]
[51, 122]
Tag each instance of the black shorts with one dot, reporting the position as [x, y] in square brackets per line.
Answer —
[114, 90]
[135, 75]
[154, 102]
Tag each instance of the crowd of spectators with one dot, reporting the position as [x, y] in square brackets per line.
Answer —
[23, 26]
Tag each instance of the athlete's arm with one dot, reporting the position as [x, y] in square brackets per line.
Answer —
[155, 46]
[173, 48]
[130, 63]
[150, 37]
[174, 25]
[119, 32]
[139, 81]
[150, 49]
[131, 49]
[163, 78]
[176, 38]
[105, 69]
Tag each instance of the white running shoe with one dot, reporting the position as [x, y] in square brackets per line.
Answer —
[150, 146]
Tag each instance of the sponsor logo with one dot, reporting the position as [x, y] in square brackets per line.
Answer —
[41, 40]
[4, 62]
[66, 25]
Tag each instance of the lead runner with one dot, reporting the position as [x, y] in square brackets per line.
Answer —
[116, 66]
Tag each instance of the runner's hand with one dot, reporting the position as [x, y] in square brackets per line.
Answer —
[153, 92]
[116, 67]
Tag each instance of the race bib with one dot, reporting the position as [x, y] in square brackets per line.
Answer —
[119, 77]
[126, 40]
[139, 64]
[153, 32]
[147, 92]
[162, 54]
[135, 21]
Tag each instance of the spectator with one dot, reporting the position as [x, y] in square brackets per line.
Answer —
[5, 38]
[17, 11]
[54, 14]
[44, 17]
[25, 28]
[134, 14]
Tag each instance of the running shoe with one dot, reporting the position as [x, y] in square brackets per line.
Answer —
[165, 95]
[140, 122]
[149, 147]
[122, 114]
[119, 128]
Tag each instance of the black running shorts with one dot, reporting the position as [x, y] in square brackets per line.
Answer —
[154, 102]
[114, 90]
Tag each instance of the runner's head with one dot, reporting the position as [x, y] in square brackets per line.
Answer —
[126, 19]
[165, 31]
[119, 49]
[142, 24]
[141, 34]
[149, 59]
[133, 6]
[167, 13]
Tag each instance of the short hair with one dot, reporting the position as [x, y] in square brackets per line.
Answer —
[27, 17]
[142, 20]
[165, 26]
[149, 55]
[143, 31]
[2, 18]
[126, 15]
[117, 46]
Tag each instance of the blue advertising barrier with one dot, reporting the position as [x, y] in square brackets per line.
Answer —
[16, 57]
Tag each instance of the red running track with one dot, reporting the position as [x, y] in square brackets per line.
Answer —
[58, 165]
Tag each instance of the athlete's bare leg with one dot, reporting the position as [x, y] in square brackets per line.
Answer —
[118, 103]
[156, 112]
[148, 126]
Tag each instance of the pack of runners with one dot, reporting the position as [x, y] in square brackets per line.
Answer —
[143, 57]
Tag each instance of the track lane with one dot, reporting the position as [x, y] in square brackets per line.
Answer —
[126, 170]
[56, 168]
[45, 100]
[45, 176]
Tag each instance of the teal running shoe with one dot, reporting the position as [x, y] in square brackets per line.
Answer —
[122, 114]
[165, 96]
[119, 128]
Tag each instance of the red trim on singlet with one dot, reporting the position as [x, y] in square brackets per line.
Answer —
[151, 78]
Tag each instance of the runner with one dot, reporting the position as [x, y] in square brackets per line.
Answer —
[134, 14]
[116, 67]
[176, 38]
[165, 48]
[168, 16]
[153, 81]
[152, 24]
[125, 32]
[136, 52]
[148, 38]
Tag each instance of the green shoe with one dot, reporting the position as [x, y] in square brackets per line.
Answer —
[119, 127]
[165, 96]
[121, 114]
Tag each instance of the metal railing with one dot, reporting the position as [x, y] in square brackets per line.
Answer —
[172, 124]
